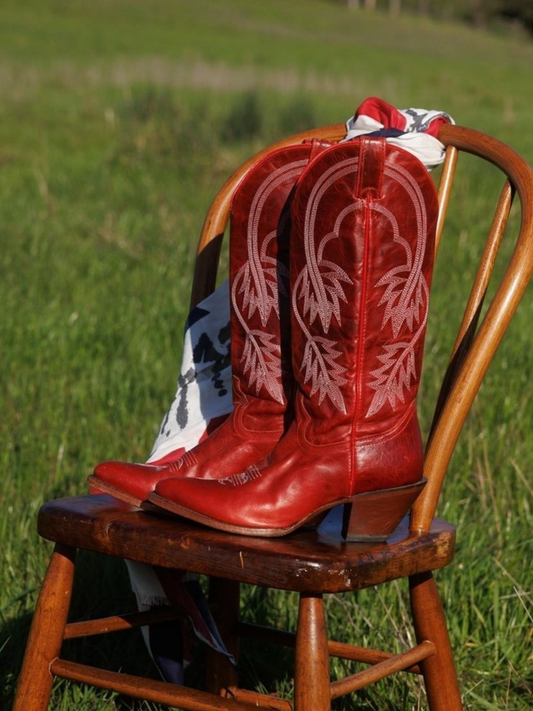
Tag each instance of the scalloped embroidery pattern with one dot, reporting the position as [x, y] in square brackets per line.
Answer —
[320, 286]
[257, 283]
[406, 300]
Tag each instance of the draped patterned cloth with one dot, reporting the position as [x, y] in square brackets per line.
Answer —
[203, 396]
[203, 399]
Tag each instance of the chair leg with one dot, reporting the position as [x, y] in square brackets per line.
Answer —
[311, 677]
[224, 596]
[439, 673]
[46, 633]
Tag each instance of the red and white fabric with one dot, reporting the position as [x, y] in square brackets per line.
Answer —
[414, 130]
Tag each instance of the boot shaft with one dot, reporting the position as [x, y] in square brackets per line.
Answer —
[364, 217]
[259, 283]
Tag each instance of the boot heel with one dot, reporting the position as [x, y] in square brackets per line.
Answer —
[374, 515]
[314, 522]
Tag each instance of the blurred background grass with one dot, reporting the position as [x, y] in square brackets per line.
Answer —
[118, 123]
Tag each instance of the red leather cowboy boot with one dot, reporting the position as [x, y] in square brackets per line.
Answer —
[260, 336]
[364, 216]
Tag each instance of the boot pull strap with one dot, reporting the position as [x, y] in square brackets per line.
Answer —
[317, 146]
[371, 165]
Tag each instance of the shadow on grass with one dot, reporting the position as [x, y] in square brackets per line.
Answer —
[102, 588]
[12, 643]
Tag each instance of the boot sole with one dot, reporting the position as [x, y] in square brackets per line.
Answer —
[116, 493]
[371, 516]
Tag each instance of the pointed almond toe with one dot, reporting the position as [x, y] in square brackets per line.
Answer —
[128, 482]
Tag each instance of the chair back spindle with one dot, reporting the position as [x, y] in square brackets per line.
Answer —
[475, 345]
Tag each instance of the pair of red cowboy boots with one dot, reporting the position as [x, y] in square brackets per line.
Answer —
[331, 255]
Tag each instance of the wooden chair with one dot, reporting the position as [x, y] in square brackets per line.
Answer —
[311, 563]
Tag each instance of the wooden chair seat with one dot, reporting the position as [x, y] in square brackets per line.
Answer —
[305, 561]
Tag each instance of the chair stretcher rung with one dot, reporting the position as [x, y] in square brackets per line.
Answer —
[138, 687]
[118, 623]
[398, 662]
[335, 649]
[257, 699]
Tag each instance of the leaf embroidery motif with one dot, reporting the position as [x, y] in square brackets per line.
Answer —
[325, 373]
[257, 287]
[406, 300]
[262, 361]
[325, 304]
[320, 287]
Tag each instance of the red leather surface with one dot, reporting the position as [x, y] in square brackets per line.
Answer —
[362, 250]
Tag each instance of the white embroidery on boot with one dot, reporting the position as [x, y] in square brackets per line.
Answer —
[187, 459]
[406, 300]
[253, 472]
[259, 281]
[319, 284]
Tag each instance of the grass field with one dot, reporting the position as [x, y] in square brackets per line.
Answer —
[118, 123]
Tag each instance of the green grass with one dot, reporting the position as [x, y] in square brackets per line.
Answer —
[118, 123]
